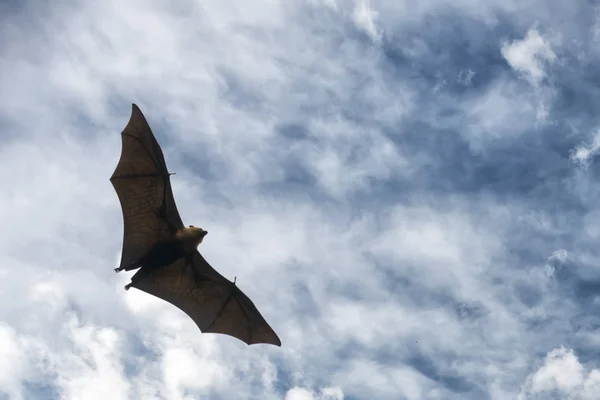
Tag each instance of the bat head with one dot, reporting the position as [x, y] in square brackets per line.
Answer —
[196, 233]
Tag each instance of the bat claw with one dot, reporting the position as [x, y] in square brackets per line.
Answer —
[117, 270]
[127, 286]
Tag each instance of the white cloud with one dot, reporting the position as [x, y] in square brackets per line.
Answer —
[466, 77]
[563, 375]
[96, 372]
[366, 19]
[582, 154]
[183, 370]
[298, 393]
[560, 255]
[530, 55]
[13, 362]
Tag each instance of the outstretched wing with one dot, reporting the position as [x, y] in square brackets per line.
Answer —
[215, 303]
[142, 183]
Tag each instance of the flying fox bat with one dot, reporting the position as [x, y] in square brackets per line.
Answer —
[165, 251]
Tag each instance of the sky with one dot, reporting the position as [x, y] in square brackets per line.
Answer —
[406, 190]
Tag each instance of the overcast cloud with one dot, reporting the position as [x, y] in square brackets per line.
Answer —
[408, 191]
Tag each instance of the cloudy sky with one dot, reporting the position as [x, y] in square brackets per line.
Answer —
[407, 191]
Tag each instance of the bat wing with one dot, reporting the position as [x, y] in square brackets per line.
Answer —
[215, 303]
[143, 185]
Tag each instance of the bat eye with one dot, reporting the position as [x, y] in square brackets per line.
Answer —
[191, 226]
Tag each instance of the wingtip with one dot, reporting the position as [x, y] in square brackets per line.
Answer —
[137, 117]
[275, 341]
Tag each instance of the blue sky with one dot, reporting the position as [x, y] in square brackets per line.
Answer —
[407, 191]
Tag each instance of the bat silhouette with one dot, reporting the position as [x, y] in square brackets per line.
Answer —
[165, 251]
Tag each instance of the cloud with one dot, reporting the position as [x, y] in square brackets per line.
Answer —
[297, 393]
[13, 366]
[583, 153]
[529, 56]
[561, 374]
[365, 18]
[401, 206]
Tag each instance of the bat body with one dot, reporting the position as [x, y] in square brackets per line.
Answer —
[156, 242]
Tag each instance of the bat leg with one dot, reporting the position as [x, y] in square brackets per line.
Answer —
[135, 278]
[132, 266]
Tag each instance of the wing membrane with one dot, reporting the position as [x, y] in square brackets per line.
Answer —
[215, 303]
[143, 185]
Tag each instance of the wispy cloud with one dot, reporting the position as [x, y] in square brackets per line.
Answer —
[366, 18]
[584, 153]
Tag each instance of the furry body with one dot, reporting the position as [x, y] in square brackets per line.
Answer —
[166, 252]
